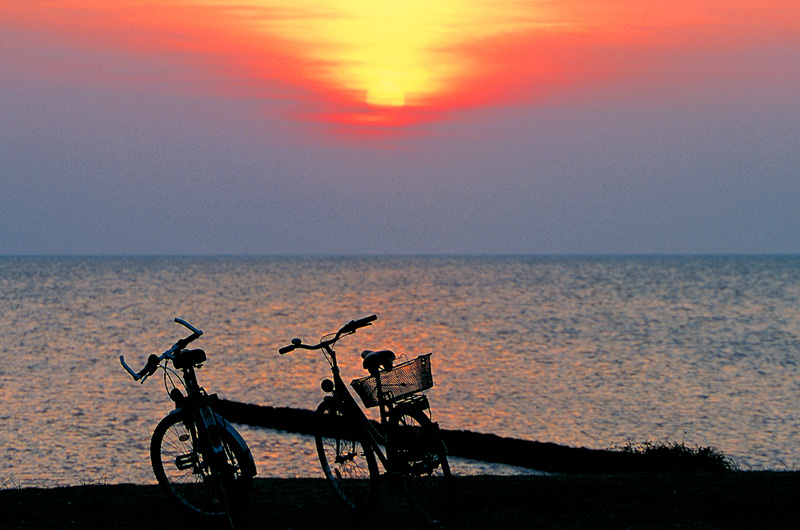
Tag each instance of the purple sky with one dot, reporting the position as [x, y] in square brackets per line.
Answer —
[105, 151]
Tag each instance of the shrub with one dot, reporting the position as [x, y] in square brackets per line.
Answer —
[674, 455]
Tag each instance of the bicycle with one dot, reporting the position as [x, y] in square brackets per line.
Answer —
[407, 442]
[198, 458]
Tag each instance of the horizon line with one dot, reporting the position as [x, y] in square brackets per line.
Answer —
[419, 255]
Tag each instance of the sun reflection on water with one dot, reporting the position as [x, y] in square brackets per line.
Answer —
[578, 352]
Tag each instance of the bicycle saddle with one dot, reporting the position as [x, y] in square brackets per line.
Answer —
[373, 360]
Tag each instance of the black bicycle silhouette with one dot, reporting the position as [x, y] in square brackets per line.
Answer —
[406, 442]
[198, 458]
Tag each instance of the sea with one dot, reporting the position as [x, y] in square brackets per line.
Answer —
[584, 351]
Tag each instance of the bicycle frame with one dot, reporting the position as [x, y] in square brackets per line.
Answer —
[205, 423]
[407, 443]
[341, 394]
[215, 443]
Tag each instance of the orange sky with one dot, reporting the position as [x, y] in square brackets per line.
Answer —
[368, 65]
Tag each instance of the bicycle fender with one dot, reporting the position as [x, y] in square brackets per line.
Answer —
[249, 465]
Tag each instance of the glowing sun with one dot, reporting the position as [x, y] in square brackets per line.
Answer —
[386, 94]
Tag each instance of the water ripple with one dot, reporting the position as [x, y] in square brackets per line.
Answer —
[579, 351]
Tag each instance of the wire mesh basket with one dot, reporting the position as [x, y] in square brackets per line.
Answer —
[402, 380]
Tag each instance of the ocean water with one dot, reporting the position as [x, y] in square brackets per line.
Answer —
[580, 351]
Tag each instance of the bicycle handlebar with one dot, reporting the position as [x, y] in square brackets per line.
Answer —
[191, 327]
[154, 360]
[347, 329]
[353, 325]
[291, 347]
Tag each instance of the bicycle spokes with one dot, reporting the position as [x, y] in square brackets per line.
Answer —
[345, 452]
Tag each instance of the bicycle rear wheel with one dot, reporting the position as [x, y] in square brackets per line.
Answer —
[187, 478]
[348, 464]
[419, 454]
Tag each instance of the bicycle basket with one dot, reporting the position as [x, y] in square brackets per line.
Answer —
[402, 380]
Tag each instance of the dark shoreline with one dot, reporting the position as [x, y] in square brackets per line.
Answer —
[643, 500]
[592, 489]
[540, 456]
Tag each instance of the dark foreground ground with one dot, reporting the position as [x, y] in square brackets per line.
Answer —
[723, 500]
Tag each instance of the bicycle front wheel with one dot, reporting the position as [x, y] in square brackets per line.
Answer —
[187, 478]
[419, 455]
[348, 463]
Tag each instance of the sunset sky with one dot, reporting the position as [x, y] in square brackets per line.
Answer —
[417, 127]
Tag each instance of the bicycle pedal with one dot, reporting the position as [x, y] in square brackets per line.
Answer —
[187, 461]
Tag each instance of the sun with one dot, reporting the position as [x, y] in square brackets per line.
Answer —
[386, 94]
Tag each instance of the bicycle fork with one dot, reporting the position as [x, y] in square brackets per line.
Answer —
[209, 457]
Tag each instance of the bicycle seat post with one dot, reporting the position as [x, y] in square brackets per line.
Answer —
[384, 407]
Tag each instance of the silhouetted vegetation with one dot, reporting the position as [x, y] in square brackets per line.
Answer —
[679, 456]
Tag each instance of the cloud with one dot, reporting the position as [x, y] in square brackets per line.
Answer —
[324, 58]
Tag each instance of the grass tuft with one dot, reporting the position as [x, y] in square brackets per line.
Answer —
[674, 455]
[10, 483]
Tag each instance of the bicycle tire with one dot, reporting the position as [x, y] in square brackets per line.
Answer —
[420, 456]
[348, 463]
[179, 469]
